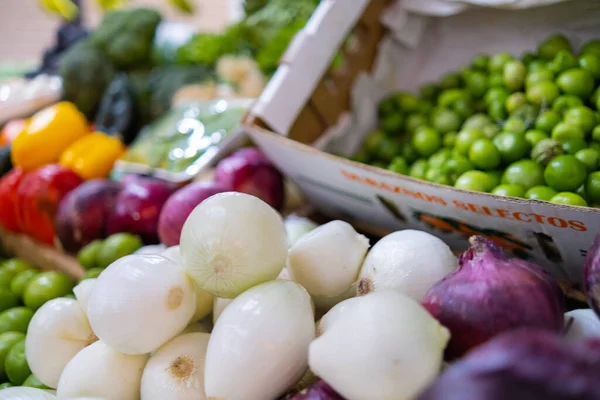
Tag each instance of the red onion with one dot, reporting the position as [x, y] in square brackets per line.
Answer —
[489, 294]
[591, 275]
[250, 171]
[521, 365]
[138, 208]
[320, 390]
[179, 206]
[83, 213]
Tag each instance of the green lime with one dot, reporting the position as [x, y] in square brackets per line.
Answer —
[525, 173]
[95, 272]
[15, 319]
[508, 190]
[484, 154]
[419, 169]
[512, 146]
[19, 282]
[475, 181]
[466, 138]
[8, 299]
[563, 61]
[117, 246]
[542, 93]
[498, 61]
[16, 365]
[572, 146]
[514, 75]
[6, 385]
[34, 382]
[540, 193]
[565, 131]
[398, 165]
[88, 256]
[456, 166]
[589, 157]
[7, 341]
[392, 124]
[426, 141]
[514, 101]
[535, 136]
[591, 63]
[565, 173]
[550, 47]
[477, 121]
[581, 116]
[46, 286]
[547, 120]
[541, 75]
[576, 81]
[569, 198]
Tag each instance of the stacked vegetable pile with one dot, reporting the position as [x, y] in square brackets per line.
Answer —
[526, 127]
[322, 309]
[23, 290]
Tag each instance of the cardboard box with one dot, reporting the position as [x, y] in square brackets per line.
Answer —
[307, 103]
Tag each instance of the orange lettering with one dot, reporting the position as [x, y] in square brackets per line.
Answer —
[504, 213]
[460, 204]
[539, 218]
[558, 222]
[519, 216]
[578, 226]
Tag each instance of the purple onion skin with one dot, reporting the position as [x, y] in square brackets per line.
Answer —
[82, 214]
[521, 365]
[180, 205]
[250, 171]
[319, 390]
[490, 294]
[138, 208]
[591, 275]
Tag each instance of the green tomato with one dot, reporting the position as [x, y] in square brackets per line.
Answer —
[449, 139]
[541, 75]
[592, 187]
[34, 382]
[456, 166]
[388, 149]
[398, 165]
[379, 164]
[591, 63]
[123, 244]
[477, 121]
[92, 273]
[444, 120]
[593, 46]
[481, 62]
[360, 156]
[387, 106]
[46, 286]
[535, 136]
[439, 158]
[409, 152]
[407, 102]
[596, 134]
[564, 131]
[16, 365]
[451, 81]
[475, 181]
[537, 65]
[514, 101]
[548, 49]
[10, 269]
[497, 111]
[426, 141]
[496, 95]
[563, 60]
[572, 146]
[576, 81]
[525, 173]
[88, 256]
[6, 385]
[436, 176]
[540, 193]
[484, 155]
[15, 319]
[418, 169]
[582, 116]
[490, 131]
[565, 102]
[589, 157]
[477, 83]
[7, 341]
[392, 125]
[498, 61]
[565, 173]
[547, 120]
[496, 80]
[514, 75]
[466, 138]
[414, 121]
[429, 91]
[463, 108]
[545, 150]
[371, 144]
[512, 146]
[570, 199]
[542, 93]
[450, 96]
[8, 299]
[528, 58]
[515, 125]
[508, 190]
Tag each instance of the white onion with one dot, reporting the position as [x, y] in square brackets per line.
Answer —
[327, 260]
[140, 302]
[258, 348]
[82, 292]
[203, 326]
[56, 333]
[231, 242]
[296, 227]
[408, 261]
[176, 371]
[585, 324]
[382, 346]
[204, 300]
[151, 249]
[324, 304]
[25, 393]
[100, 371]
[219, 306]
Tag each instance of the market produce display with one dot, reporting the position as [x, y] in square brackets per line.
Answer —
[524, 127]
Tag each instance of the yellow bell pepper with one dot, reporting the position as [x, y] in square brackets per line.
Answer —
[47, 134]
[93, 156]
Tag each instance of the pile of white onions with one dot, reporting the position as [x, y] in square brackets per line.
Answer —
[143, 329]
